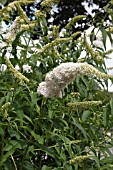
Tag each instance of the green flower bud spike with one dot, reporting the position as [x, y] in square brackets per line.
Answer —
[83, 105]
[74, 20]
[16, 73]
[79, 158]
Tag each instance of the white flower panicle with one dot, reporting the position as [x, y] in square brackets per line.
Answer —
[64, 74]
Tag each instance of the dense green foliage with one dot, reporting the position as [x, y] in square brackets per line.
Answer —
[38, 133]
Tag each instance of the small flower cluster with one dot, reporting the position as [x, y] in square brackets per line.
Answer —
[110, 29]
[108, 52]
[29, 26]
[80, 158]
[64, 74]
[40, 14]
[5, 108]
[55, 32]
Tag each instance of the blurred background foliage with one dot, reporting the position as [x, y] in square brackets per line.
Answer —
[38, 133]
[68, 9]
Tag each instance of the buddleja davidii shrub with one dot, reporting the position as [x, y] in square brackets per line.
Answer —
[48, 134]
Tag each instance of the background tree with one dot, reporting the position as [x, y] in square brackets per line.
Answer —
[69, 9]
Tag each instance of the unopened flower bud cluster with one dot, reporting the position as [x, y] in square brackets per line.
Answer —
[73, 20]
[64, 74]
[40, 14]
[79, 158]
[4, 109]
[55, 32]
[83, 105]
[54, 43]
[16, 73]
[4, 12]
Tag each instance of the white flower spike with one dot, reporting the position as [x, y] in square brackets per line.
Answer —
[56, 80]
